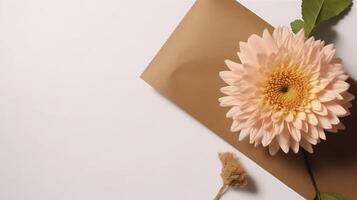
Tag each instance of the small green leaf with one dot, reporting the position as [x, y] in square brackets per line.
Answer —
[297, 25]
[310, 12]
[332, 8]
[329, 196]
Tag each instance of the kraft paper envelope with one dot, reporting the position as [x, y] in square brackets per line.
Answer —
[186, 72]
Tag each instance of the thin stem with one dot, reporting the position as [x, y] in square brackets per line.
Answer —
[308, 167]
[221, 191]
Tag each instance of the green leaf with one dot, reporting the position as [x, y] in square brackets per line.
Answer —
[316, 11]
[310, 12]
[332, 8]
[329, 196]
[297, 25]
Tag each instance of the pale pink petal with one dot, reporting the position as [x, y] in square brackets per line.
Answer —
[307, 146]
[326, 96]
[324, 122]
[336, 109]
[274, 147]
[292, 132]
[289, 117]
[333, 118]
[237, 125]
[304, 126]
[311, 118]
[230, 90]
[228, 101]
[310, 139]
[233, 111]
[297, 124]
[316, 105]
[283, 140]
[347, 97]
[229, 77]
[340, 86]
[322, 134]
[322, 112]
[301, 116]
[233, 66]
[243, 134]
[294, 146]
[314, 132]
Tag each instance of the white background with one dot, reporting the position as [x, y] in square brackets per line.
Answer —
[77, 123]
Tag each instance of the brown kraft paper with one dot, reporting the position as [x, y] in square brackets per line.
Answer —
[186, 69]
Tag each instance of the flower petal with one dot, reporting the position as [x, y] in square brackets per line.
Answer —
[283, 140]
[274, 147]
[307, 146]
[311, 118]
[233, 66]
[336, 109]
[243, 134]
[229, 77]
[324, 122]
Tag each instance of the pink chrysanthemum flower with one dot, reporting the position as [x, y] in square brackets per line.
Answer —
[286, 92]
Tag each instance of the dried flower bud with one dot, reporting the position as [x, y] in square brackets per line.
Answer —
[232, 174]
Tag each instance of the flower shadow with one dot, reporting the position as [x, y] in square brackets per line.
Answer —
[251, 187]
[340, 148]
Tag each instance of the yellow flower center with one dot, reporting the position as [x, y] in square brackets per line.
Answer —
[286, 89]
